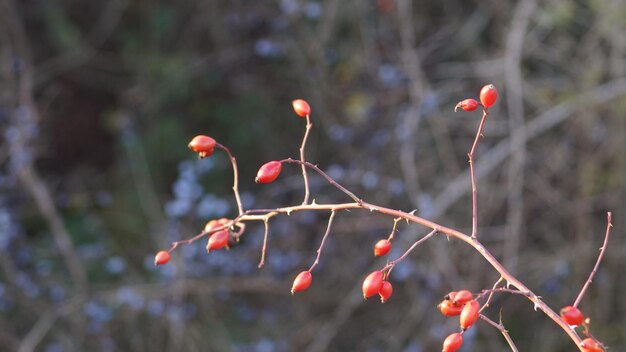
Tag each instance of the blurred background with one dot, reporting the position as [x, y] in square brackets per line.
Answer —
[98, 100]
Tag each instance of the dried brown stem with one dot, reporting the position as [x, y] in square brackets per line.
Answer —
[319, 250]
[503, 331]
[473, 177]
[595, 268]
[266, 225]
[304, 175]
[233, 161]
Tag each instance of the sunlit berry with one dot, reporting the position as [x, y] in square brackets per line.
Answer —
[301, 282]
[448, 309]
[382, 247]
[467, 105]
[372, 284]
[203, 145]
[161, 258]
[301, 107]
[268, 172]
[591, 345]
[469, 314]
[572, 315]
[386, 290]
[218, 240]
[488, 95]
[453, 342]
[462, 297]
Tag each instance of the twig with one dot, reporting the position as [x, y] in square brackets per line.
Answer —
[266, 225]
[319, 250]
[595, 268]
[473, 177]
[504, 332]
[491, 294]
[233, 161]
[393, 263]
[395, 227]
[304, 175]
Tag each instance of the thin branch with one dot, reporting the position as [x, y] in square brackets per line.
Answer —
[266, 225]
[609, 225]
[479, 133]
[304, 175]
[319, 250]
[486, 305]
[393, 263]
[394, 229]
[233, 161]
[504, 332]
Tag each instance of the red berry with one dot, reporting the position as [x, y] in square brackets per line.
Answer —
[453, 342]
[215, 224]
[385, 291]
[467, 105]
[572, 315]
[462, 297]
[301, 107]
[488, 95]
[268, 172]
[450, 296]
[382, 247]
[469, 314]
[448, 309]
[162, 258]
[218, 240]
[591, 345]
[372, 284]
[203, 145]
[301, 282]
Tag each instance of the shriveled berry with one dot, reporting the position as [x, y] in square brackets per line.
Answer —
[453, 342]
[467, 105]
[301, 107]
[462, 297]
[268, 172]
[203, 145]
[591, 345]
[301, 282]
[372, 284]
[469, 314]
[572, 315]
[382, 247]
[448, 309]
[217, 240]
[488, 95]
[161, 258]
[385, 291]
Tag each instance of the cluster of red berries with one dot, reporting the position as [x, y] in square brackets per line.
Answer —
[488, 97]
[574, 317]
[462, 304]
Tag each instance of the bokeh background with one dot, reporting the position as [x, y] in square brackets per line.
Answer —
[98, 100]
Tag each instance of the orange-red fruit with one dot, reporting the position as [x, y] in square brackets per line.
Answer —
[590, 345]
[217, 240]
[215, 224]
[469, 314]
[448, 309]
[462, 297]
[467, 105]
[301, 282]
[488, 95]
[268, 172]
[372, 284]
[382, 247]
[572, 315]
[161, 258]
[203, 145]
[385, 291]
[301, 107]
[453, 342]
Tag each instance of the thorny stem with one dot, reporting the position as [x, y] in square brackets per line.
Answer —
[504, 332]
[235, 177]
[319, 250]
[304, 175]
[262, 262]
[325, 175]
[595, 268]
[395, 227]
[473, 177]
[393, 263]
[486, 305]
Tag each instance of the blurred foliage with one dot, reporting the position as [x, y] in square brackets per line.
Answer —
[122, 86]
